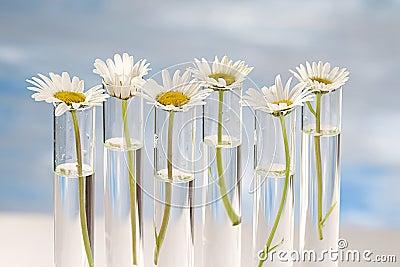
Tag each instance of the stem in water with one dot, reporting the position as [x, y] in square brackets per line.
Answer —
[81, 186]
[235, 219]
[268, 248]
[132, 181]
[168, 191]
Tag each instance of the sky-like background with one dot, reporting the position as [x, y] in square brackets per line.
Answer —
[41, 36]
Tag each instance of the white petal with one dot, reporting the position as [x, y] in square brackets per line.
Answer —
[176, 78]
[75, 105]
[152, 89]
[61, 109]
[222, 82]
[253, 98]
[326, 69]
[101, 69]
[166, 78]
[80, 87]
[48, 87]
[118, 64]
[279, 87]
[204, 67]
[186, 76]
[40, 96]
[75, 83]
[287, 86]
[125, 93]
[48, 83]
[66, 82]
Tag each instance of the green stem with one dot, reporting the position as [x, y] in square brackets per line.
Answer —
[132, 181]
[235, 219]
[81, 189]
[168, 191]
[329, 213]
[310, 107]
[284, 193]
[317, 146]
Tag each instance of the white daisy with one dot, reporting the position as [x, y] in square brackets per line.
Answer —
[276, 99]
[320, 78]
[176, 94]
[64, 93]
[224, 74]
[121, 77]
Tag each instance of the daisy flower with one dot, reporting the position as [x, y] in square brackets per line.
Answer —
[64, 93]
[67, 94]
[178, 93]
[277, 99]
[320, 78]
[121, 77]
[224, 74]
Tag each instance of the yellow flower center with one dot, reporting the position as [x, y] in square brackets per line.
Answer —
[321, 80]
[70, 97]
[229, 79]
[172, 98]
[287, 102]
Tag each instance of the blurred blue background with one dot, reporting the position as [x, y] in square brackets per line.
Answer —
[42, 36]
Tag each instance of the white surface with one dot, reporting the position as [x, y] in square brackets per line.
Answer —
[27, 240]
